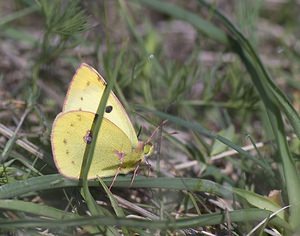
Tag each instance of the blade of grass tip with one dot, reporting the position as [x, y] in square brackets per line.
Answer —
[118, 210]
[268, 91]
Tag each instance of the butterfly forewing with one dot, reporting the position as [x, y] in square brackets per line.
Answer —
[84, 94]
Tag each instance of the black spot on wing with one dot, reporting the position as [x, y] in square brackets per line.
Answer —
[108, 109]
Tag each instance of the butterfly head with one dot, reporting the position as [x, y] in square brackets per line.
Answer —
[146, 149]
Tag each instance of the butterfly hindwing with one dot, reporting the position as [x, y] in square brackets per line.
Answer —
[70, 135]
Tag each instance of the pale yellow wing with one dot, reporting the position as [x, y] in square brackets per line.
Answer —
[69, 141]
[85, 92]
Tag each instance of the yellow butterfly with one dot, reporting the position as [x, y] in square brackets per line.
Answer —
[117, 149]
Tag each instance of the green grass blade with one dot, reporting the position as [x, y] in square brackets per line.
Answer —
[118, 210]
[36, 209]
[237, 216]
[57, 181]
[259, 201]
[89, 151]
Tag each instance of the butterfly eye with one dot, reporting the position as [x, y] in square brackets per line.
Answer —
[148, 149]
[108, 109]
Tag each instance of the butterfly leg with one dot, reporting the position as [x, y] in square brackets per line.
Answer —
[121, 156]
[115, 177]
[135, 172]
[148, 165]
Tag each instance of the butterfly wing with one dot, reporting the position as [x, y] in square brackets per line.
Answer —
[85, 93]
[69, 140]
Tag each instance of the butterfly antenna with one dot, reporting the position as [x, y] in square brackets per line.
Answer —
[139, 131]
[121, 156]
[156, 130]
[138, 167]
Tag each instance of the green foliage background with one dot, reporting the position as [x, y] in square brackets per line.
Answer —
[224, 76]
